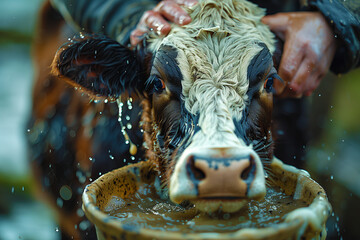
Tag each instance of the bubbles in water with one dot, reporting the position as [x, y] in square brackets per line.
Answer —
[56, 229]
[12, 190]
[132, 158]
[111, 157]
[127, 117]
[106, 101]
[129, 126]
[331, 177]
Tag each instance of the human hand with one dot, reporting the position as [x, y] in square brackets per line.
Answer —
[308, 51]
[157, 19]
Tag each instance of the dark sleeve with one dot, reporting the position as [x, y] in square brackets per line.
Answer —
[344, 18]
[114, 18]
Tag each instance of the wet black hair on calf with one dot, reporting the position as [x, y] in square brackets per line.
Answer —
[100, 66]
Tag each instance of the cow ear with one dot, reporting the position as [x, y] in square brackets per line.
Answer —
[99, 66]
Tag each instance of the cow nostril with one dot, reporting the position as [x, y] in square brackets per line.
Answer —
[245, 174]
[194, 171]
[249, 170]
[198, 173]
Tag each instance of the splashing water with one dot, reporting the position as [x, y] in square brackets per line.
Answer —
[133, 148]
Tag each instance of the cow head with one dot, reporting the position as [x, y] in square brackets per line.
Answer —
[208, 99]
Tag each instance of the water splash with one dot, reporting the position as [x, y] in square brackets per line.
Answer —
[133, 148]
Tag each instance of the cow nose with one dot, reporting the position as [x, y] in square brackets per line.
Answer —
[221, 176]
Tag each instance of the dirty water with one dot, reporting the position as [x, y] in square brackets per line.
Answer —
[145, 209]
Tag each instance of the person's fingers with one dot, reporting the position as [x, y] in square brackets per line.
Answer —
[173, 12]
[303, 76]
[187, 3]
[288, 93]
[277, 23]
[291, 59]
[137, 36]
[155, 21]
[313, 82]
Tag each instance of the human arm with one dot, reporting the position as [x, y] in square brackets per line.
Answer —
[311, 41]
[114, 18]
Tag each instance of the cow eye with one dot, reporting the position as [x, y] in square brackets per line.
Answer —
[268, 84]
[155, 84]
[159, 85]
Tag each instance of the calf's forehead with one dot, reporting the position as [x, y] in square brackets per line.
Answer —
[215, 66]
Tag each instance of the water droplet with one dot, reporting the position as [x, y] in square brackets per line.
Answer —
[331, 177]
[129, 126]
[12, 190]
[23, 188]
[59, 202]
[319, 94]
[111, 157]
[127, 117]
[84, 225]
[80, 212]
[65, 192]
[56, 229]
[106, 101]
[132, 158]
[28, 130]
[133, 149]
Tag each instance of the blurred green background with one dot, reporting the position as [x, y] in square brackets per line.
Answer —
[333, 154]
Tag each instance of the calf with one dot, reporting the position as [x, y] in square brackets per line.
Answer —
[206, 93]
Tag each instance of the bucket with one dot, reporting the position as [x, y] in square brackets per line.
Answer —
[307, 222]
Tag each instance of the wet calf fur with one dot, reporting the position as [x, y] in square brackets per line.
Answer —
[206, 103]
[208, 92]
